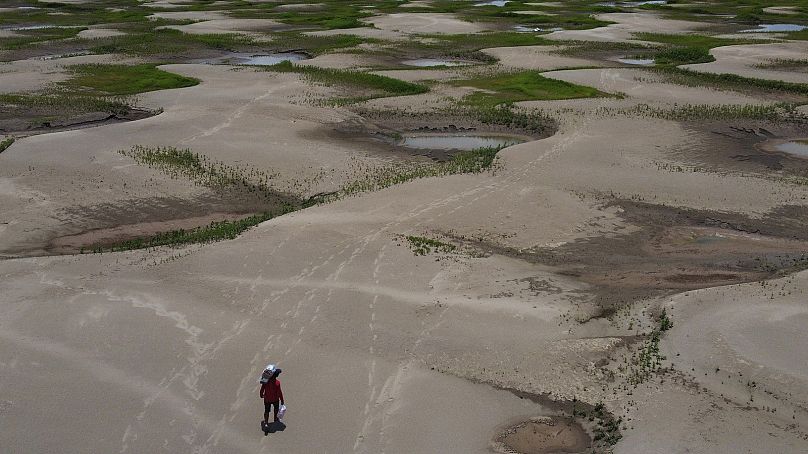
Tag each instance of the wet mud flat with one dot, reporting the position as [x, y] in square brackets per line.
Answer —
[568, 426]
[544, 435]
[674, 250]
[83, 229]
[747, 146]
[431, 135]
[35, 121]
[255, 58]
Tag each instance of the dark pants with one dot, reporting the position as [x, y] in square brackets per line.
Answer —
[267, 407]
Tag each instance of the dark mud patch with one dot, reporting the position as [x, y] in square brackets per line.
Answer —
[105, 225]
[385, 132]
[674, 250]
[85, 228]
[31, 123]
[105, 238]
[572, 427]
[741, 146]
[544, 435]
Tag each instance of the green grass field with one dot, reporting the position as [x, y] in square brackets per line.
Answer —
[120, 80]
[524, 86]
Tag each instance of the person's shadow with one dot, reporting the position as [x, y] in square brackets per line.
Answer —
[272, 427]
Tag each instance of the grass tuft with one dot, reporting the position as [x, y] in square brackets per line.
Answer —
[204, 172]
[423, 246]
[216, 231]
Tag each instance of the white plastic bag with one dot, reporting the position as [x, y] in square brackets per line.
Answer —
[281, 412]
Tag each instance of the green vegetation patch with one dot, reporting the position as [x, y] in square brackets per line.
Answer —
[478, 41]
[467, 46]
[35, 36]
[801, 35]
[688, 48]
[524, 86]
[474, 161]
[423, 246]
[692, 40]
[64, 101]
[90, 13]
[606, 426]
[22, 111]
[727, 81]
[166, 42]
[532, 120]
[334, 19]
[367, 85]
[683, 55]
[215, 175]
[778, 112]
[125, 79]
[331, 15]
[184, 163]
[198, 168]
[316, 45]
[779, 64]
[648, 359]
[5, 143]
[216, 231]
[570, 17]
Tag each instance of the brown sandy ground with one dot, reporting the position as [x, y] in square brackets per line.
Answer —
[566, 253]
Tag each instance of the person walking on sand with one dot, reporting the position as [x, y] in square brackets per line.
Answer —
[271, 392]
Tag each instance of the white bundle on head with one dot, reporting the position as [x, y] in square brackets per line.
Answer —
[267, 373]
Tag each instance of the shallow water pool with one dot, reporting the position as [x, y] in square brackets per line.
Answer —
[431, 62]
[271, 59]
[457, 141]
[797, 148]
[637, 61]
[527, 29]
[771, 28]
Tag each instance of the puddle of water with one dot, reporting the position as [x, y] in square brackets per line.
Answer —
[797, 148]
[431, 62]
[526, 29]
[633, 4]
[32, 27]
[709, 239]
[271, 59]
[770, 28]
[456, 142]
[36, 27]
[72, 54]
[237, 58]
[492, 3]
[637, 61]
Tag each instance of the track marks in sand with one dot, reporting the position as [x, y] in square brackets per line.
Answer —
[235, 115]
[125, 380]
[245, 391]
[306, 310]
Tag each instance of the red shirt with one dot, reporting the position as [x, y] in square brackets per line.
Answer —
[271, 391]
